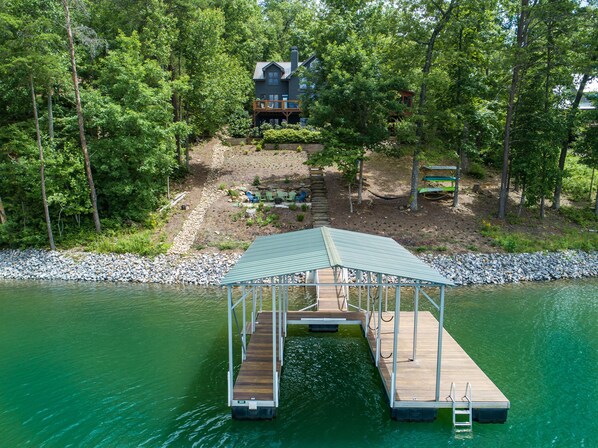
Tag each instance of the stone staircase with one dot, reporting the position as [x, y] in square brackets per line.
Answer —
[319, 200]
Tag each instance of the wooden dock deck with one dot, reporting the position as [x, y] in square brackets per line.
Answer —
[416, 380]
[255, 379]
[330, 297]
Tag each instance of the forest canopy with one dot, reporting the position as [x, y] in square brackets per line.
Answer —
[496, 82]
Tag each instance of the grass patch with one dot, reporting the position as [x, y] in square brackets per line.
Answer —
[518, 242]
[139, 243]
[232, 245]
[585, 217]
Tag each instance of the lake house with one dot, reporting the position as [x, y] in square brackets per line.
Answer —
[278, 87]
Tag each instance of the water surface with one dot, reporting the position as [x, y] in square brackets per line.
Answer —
[128, 365]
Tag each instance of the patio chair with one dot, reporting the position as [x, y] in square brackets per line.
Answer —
[301, 197]
[292, 196]
[282, 195]
[269, 196]
[251, 197]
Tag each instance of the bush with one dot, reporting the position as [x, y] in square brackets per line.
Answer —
[477, 171]
[300, 217]
[291, 136]
[239, 124]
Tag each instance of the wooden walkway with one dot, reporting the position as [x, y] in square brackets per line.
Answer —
[255, 379]
[416, 380]
[330, 297]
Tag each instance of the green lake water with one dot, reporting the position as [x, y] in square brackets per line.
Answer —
[98, 365]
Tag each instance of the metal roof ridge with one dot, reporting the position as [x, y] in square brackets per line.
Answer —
[333, 255]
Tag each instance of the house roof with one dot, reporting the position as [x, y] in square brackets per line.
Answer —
[258, 73]
[307, 250]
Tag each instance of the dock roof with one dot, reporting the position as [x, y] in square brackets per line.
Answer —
[324, 247]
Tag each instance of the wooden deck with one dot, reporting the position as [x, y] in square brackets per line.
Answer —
[255, 381]
[329, 296]
[416, 380]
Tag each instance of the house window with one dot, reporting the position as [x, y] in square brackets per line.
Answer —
[273, 78]
[303, 83]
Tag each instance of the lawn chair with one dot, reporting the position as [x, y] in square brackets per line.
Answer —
[301, 197]
[254, 199]
[282, 195]
[292, 195]
[258, 195]
[269, 196]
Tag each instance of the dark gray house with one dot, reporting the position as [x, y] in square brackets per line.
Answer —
[278, 86]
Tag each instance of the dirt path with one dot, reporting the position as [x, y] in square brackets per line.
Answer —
[183, 241]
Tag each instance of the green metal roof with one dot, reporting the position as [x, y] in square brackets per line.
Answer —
[306, 250]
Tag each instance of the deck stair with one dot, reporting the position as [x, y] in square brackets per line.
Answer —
[462, 410]
[319, 201]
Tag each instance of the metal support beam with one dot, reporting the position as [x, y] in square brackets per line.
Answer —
[393, 380]
[379, 319]
[439, 353]
[274, 372]
[244, 325]
[415, 317]
[230, 346]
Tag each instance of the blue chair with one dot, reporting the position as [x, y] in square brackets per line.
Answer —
[301, 197]
[253, 199]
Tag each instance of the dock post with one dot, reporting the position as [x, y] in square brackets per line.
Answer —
[244, 323]
[230, 345]
[415, 315]
[380, 293]
[439, 355]
[274, 336]
[393, 380]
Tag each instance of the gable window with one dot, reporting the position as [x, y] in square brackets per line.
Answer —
[273, 78]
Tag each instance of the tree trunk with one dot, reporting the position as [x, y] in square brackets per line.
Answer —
[92, 189]
[360, 191]
[41, 169]
[459, 164]
[556, 202]
[521, 39]
[596, 204]
[522, 200]
[591, 184]
[445, 16]
[50, 116]
[2, 213]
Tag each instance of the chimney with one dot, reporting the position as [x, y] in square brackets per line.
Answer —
[294, 59]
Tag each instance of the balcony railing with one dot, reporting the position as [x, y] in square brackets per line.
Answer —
[277, 105]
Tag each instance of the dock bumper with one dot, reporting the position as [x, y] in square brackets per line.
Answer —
[490, 415]
[253, 410]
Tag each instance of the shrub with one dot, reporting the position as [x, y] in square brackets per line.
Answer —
[477, 171]
[290, 135]
[300, 217]
[256, 181]
[239, 123]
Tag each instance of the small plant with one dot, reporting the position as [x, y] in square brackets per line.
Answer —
[287, 180]
[472, 248]
[276, 146]
[232, 245]
[300, 217]
[293, 206]
[222, 186]
[233, 193]
[256, 181]
[304, 207]
[299, 148]
[259, 146]
[249, 222]
[477, 171]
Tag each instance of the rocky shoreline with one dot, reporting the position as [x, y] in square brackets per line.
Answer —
[208, 269]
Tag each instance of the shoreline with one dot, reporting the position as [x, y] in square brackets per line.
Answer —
[208, 269]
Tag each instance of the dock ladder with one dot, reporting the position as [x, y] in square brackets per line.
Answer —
[462, 411]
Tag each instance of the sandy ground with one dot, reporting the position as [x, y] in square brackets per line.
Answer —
[436, 227]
